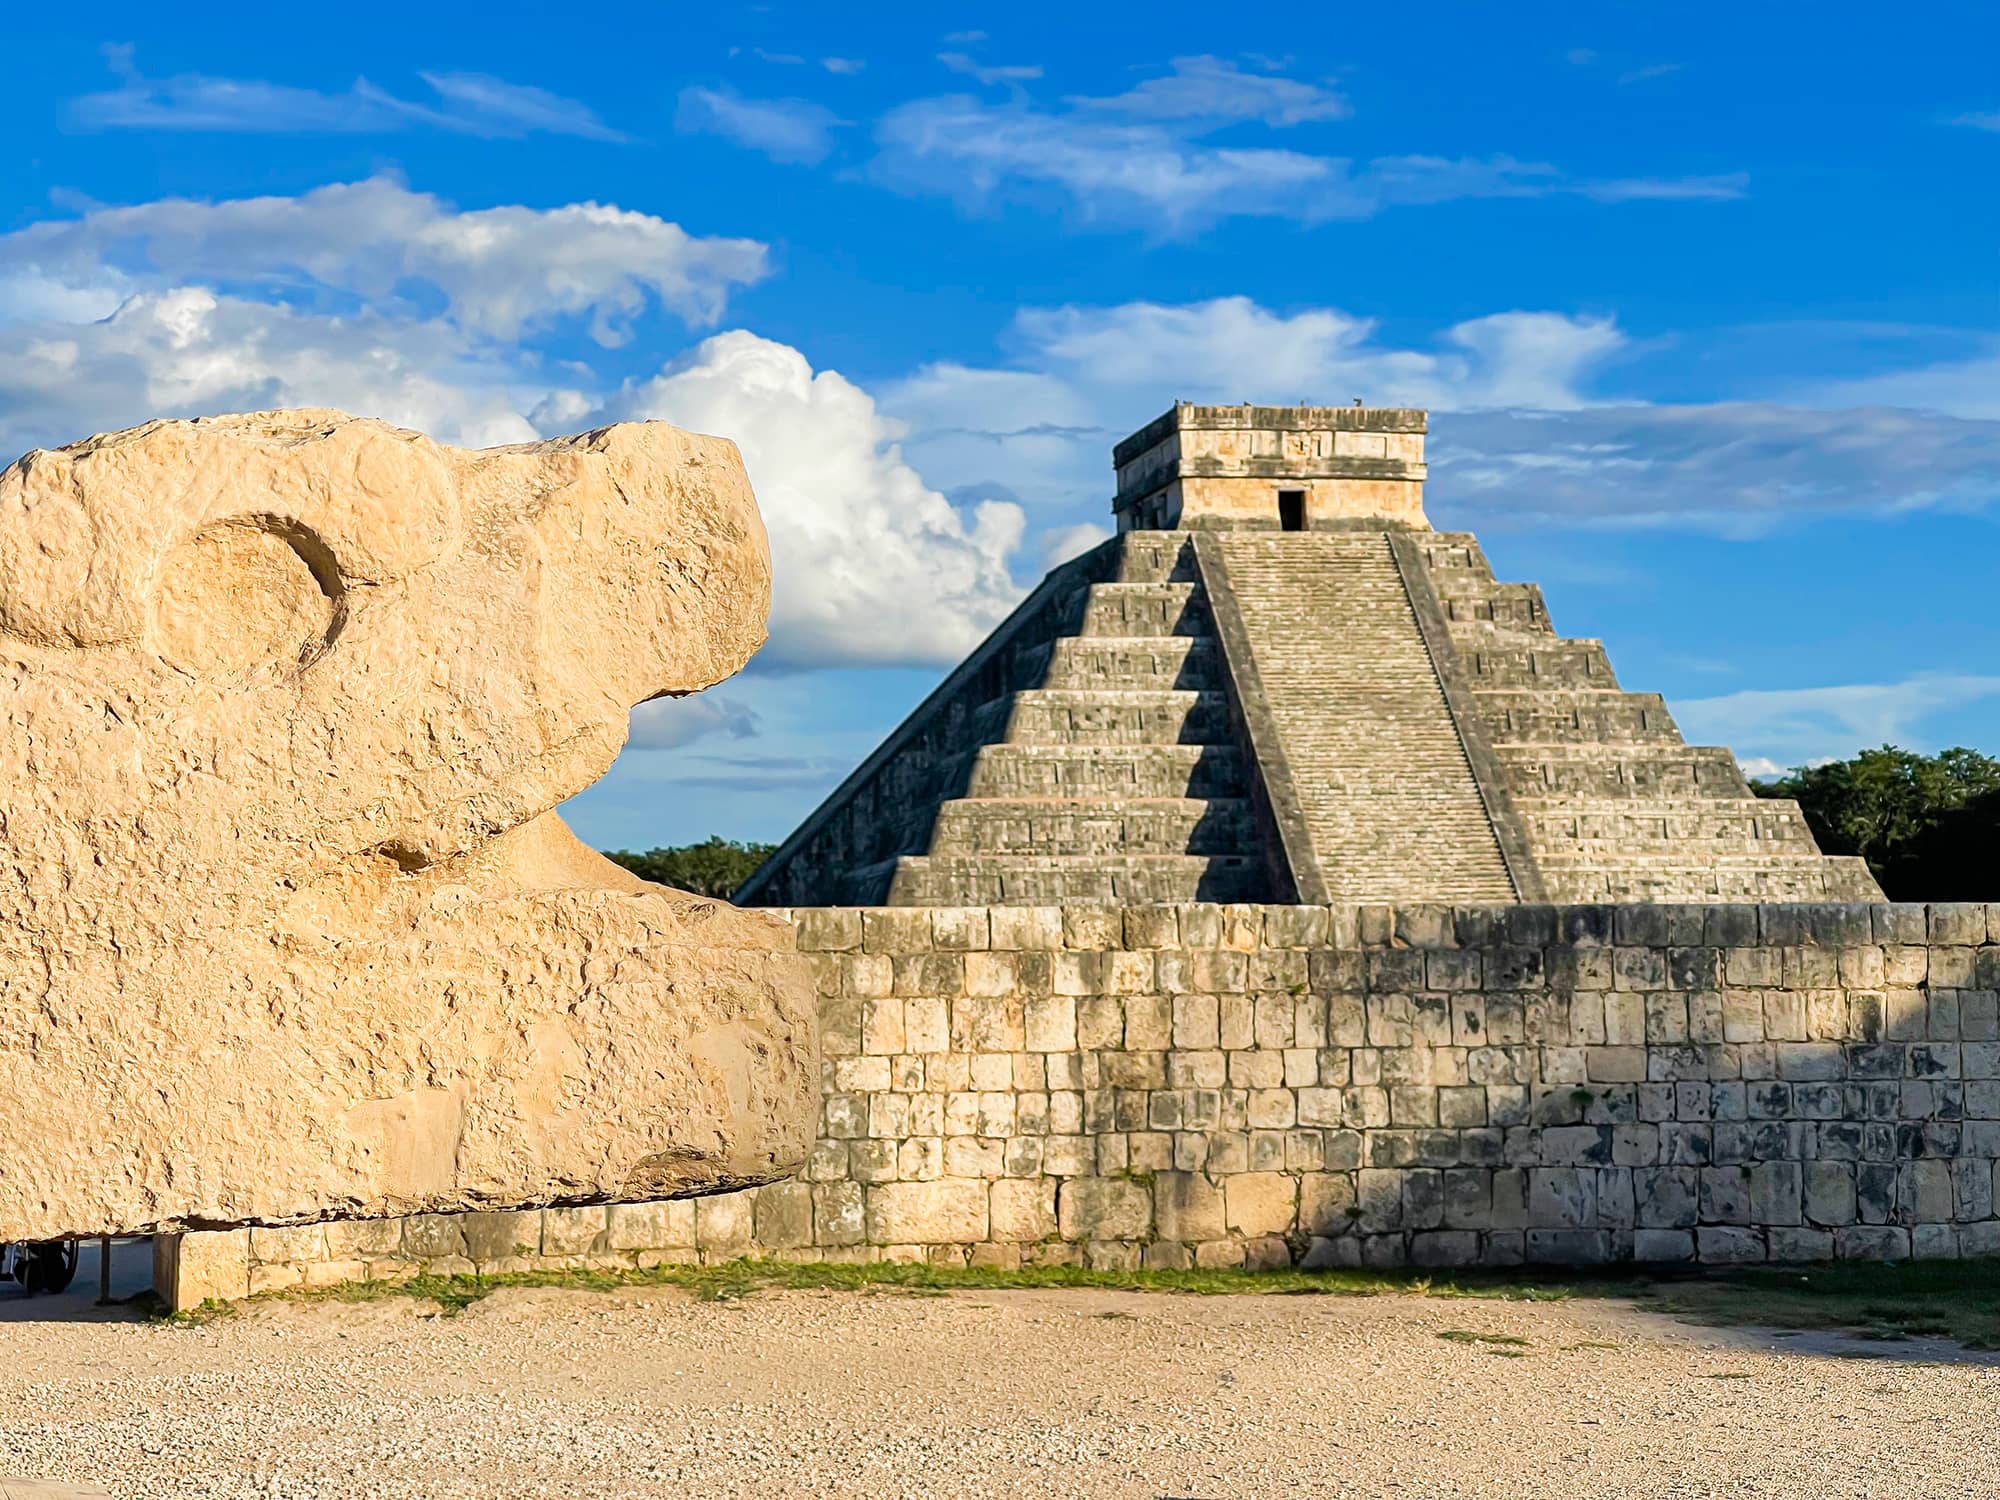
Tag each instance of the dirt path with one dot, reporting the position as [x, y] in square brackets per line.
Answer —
[546, 1394]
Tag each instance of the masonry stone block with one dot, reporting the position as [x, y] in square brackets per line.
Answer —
[1189, 1207]
[947, 1211]
[431, 1236]
[724, 1226]
[500, 1236]
[1108, 1208]
[1724, 1245]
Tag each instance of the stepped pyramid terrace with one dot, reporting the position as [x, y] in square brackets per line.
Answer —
[1277, 683]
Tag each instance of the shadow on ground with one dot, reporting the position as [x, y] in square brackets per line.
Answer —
[131, 1282]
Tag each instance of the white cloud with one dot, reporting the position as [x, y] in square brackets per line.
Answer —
[843, 65]
[467, 104]
[1982, 119]
[1082, 377]
[1214, 91]
[176, 308]
[1797, 726]
[669, 723]
[1519, 435]
[499, 271]
[1233, 344]
[870, 563]
[959, 62]
[186, 351]
[1150, 174]
[1955, 387]
[1065, 542]
[787, 130]
[493, 106]
[1734, 467]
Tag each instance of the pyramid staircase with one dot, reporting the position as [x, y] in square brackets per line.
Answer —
[1098, 762]
[1356, 715]
[1615, 806]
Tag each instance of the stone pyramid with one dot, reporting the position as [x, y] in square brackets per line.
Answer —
[1277, 683]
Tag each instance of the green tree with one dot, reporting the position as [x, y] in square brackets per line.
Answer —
[1926, 824]
[714, 867]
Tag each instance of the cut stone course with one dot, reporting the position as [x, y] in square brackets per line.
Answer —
[1286, 1085]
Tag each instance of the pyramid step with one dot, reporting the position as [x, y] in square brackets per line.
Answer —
[1546, 661]
[1092, 826]
[1562, 717]
[1692, 817]
[1125, 662]
[1156, 557]
[1133, 609]
[1455, 554]
[1065, 716]
[1640, 771]
[1800, 877]
[1501, 635]
[931, 880]
[1469, 599]
[1009, 770]
[1648, 849]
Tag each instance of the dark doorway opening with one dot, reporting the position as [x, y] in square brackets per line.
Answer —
[1291, 510]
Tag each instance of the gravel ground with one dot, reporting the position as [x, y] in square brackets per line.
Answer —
[648, 1392]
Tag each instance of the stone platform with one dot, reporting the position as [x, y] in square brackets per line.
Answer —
[1205, 1084]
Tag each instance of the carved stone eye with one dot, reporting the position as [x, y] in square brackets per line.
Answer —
[246, 592]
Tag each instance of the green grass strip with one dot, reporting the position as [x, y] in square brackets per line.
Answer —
[1959, 1300]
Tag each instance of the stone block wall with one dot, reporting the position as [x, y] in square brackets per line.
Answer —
[1266, 1085]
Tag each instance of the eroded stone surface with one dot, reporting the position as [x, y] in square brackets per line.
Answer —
[288, 928]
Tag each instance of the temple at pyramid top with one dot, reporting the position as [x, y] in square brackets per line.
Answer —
[1277, 683]
[1291, 468]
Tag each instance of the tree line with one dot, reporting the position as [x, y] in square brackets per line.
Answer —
[1928, 825]
[714, 867]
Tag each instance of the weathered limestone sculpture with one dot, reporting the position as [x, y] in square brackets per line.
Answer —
[288, 929]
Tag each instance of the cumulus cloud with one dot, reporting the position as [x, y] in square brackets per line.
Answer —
[499, 271]
[786, 130]
[187, 350]
[178, 308]
[465, 104]
[1065, 542]
[1786, 727]
[870, 563]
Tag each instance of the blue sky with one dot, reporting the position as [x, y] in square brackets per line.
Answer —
[1704, 299]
